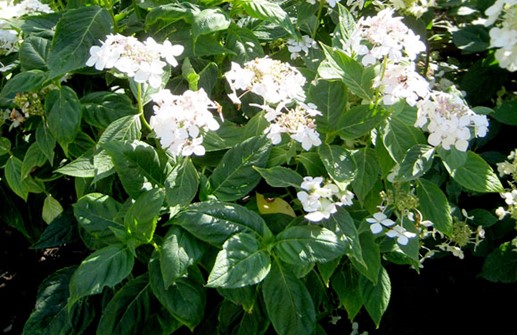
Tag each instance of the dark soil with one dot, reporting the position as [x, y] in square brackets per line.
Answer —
[447, 297]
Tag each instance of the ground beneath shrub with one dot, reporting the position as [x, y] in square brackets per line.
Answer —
[447, 297]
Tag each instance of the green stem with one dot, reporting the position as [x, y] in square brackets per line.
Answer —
[140, 106]
[318, 18]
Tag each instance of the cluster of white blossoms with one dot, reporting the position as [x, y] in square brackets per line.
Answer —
[296, 46]
[9, 11]
[320, 198]
[273, 80]
[380, 221]
[386, 41]
[180, 121]
[297, 121]
[449, 121]
[281, 87]
[414, 7]
[503, 36]
[140, 61]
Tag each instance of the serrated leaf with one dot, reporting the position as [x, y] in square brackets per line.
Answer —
[499, 266]
[105, 267]
[182, 184]
[270, 12]
[128, 310]
[214, 222]
[289, 304]
[179, 251]
[235, 175]
[338, 162]
[416, 162]
[33, 53]
[279, 176]
[476, 175]
[244, 43]
[240, 263]
[63, 114]
[77, 31]
[185, 299]
[101, 109]
[330, 96]
[33, 158]
[308, 244]
[434, 206]
[376, 296]
[368, 172]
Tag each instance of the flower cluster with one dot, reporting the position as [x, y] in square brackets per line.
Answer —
[503, 36]
[449, 121]
[296, 46]
[140, 61]
[179, 121]
[8, 11]
[271, 79]
[331, 3]
[320, 201]
[508, 168]
[414, 7]
[297, 121]
[281, 87]
[386, 41]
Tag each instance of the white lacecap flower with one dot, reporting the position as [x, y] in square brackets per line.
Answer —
[401, 234]
[180, 121]
[275, 81]
[379, 220]
[320, 198]
[331, 3]
[141, 61]
[449, 121]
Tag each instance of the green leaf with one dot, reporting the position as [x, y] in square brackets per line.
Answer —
[471, 38]
[371, 266]
[51, 209]
[240, 263]
[308, 244]
[208, 21]
[96, 213]
[270, 12]
[343, 225]
[476, 175]
[46, 142]
[33, 53]
[179, 251]
[346, 285]
[137, 164]
[453, 158]
[185, 299]
[338, 65]
[214, 222]
[105, 267]
[434, 206]
[358, 121]
[100, 109]
[22, 187]
[330, 96]
[338, 162]
[26, 81]
[399, 137]
[244, 43]
[5, 146]
[142, 216]
[279, 176]
[244, 296]
[33, 158]
[50, 315]
[77, 31]
[235, 176]
[125, 128]
[368, 172]
[128, 310]
[376, 296]
[182, 184]
[81, 167]
[171, 13]
[63, 114]
[416, 162]
[62, 230]
[289, 304]
[500, 266]
[505, 113]
[312, 163]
